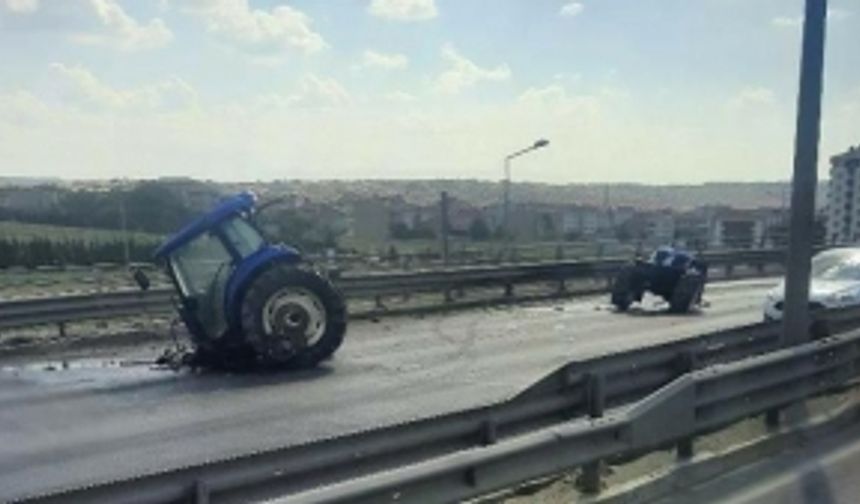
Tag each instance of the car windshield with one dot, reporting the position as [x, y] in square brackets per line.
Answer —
[841, 271]
[836, 265]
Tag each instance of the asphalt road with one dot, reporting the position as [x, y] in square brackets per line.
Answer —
[97, 420]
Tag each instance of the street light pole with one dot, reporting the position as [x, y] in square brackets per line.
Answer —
[507, 200]
[796, 318]
[506, 215]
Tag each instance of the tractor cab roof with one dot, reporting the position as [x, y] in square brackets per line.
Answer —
[234, 205]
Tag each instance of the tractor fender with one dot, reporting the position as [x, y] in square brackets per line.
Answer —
[247, 271]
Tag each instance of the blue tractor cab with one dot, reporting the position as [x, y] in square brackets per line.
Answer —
[245, 301]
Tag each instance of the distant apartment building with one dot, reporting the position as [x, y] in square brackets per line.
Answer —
[585, 221]
[693, 228]
[535, 221]
[648, 227]
[734, 228]
[462, 215]
[843, 198]
[659, 226]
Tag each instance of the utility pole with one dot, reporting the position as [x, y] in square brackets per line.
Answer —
[796, 319]
[124, 225]
[444, 225]
[506, 210]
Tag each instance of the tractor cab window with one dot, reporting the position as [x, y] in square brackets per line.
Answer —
[199, 264]
[243, 237]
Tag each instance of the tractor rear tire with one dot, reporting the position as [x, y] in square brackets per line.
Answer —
[687, 293]
[622, 290]
[326, 299]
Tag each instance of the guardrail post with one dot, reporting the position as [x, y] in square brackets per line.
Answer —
[562, 286]
[509, 290]
[730, 269]
[596, 399]
[200, 493]
[686, 364]
[377, 300]
[489, 433]
[62, 329]
[772, 419]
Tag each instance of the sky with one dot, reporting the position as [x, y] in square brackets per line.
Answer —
[653, 91]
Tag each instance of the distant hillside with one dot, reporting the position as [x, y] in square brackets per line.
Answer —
[28, 181]
[677, 197]
[477, 192]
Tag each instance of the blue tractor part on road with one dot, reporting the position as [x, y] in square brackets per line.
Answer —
[677, 276]
[246, 302]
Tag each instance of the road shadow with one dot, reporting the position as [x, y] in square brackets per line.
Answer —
[657, 311]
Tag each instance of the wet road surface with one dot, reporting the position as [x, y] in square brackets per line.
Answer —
[63, 424]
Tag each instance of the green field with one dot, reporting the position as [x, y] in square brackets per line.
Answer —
[23, 231]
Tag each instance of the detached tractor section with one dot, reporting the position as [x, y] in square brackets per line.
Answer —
[246, 303]
[679, 278]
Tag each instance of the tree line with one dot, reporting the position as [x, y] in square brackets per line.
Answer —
[150, 206]
[44, 252]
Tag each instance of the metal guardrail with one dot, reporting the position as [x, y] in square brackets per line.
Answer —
[693, 404]
[726, 390]
[118, 304]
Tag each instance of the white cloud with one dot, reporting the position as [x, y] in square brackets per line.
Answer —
[462, 73]
[23, 109]
[571, 9]
[549, 94]
[120, 30]
[385, 61]
[753, 96]
[836, 14]
[850, 105]
[794, 22]
[556, 100]
[404, 10]
[313, 91]
[400, 97]
[328, 91]
[282, 26]
[22, 6]
[787, 22]
[80, 87]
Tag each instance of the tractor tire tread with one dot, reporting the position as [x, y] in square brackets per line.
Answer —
[622, 296]
[687, 293]
[270, 281]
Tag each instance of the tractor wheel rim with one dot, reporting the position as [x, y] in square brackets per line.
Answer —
[289, 307]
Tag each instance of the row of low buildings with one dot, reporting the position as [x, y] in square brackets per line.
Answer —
[838, 223]
[379, 219]
[706, 227]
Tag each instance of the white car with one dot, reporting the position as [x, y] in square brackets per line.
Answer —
[835, 283]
